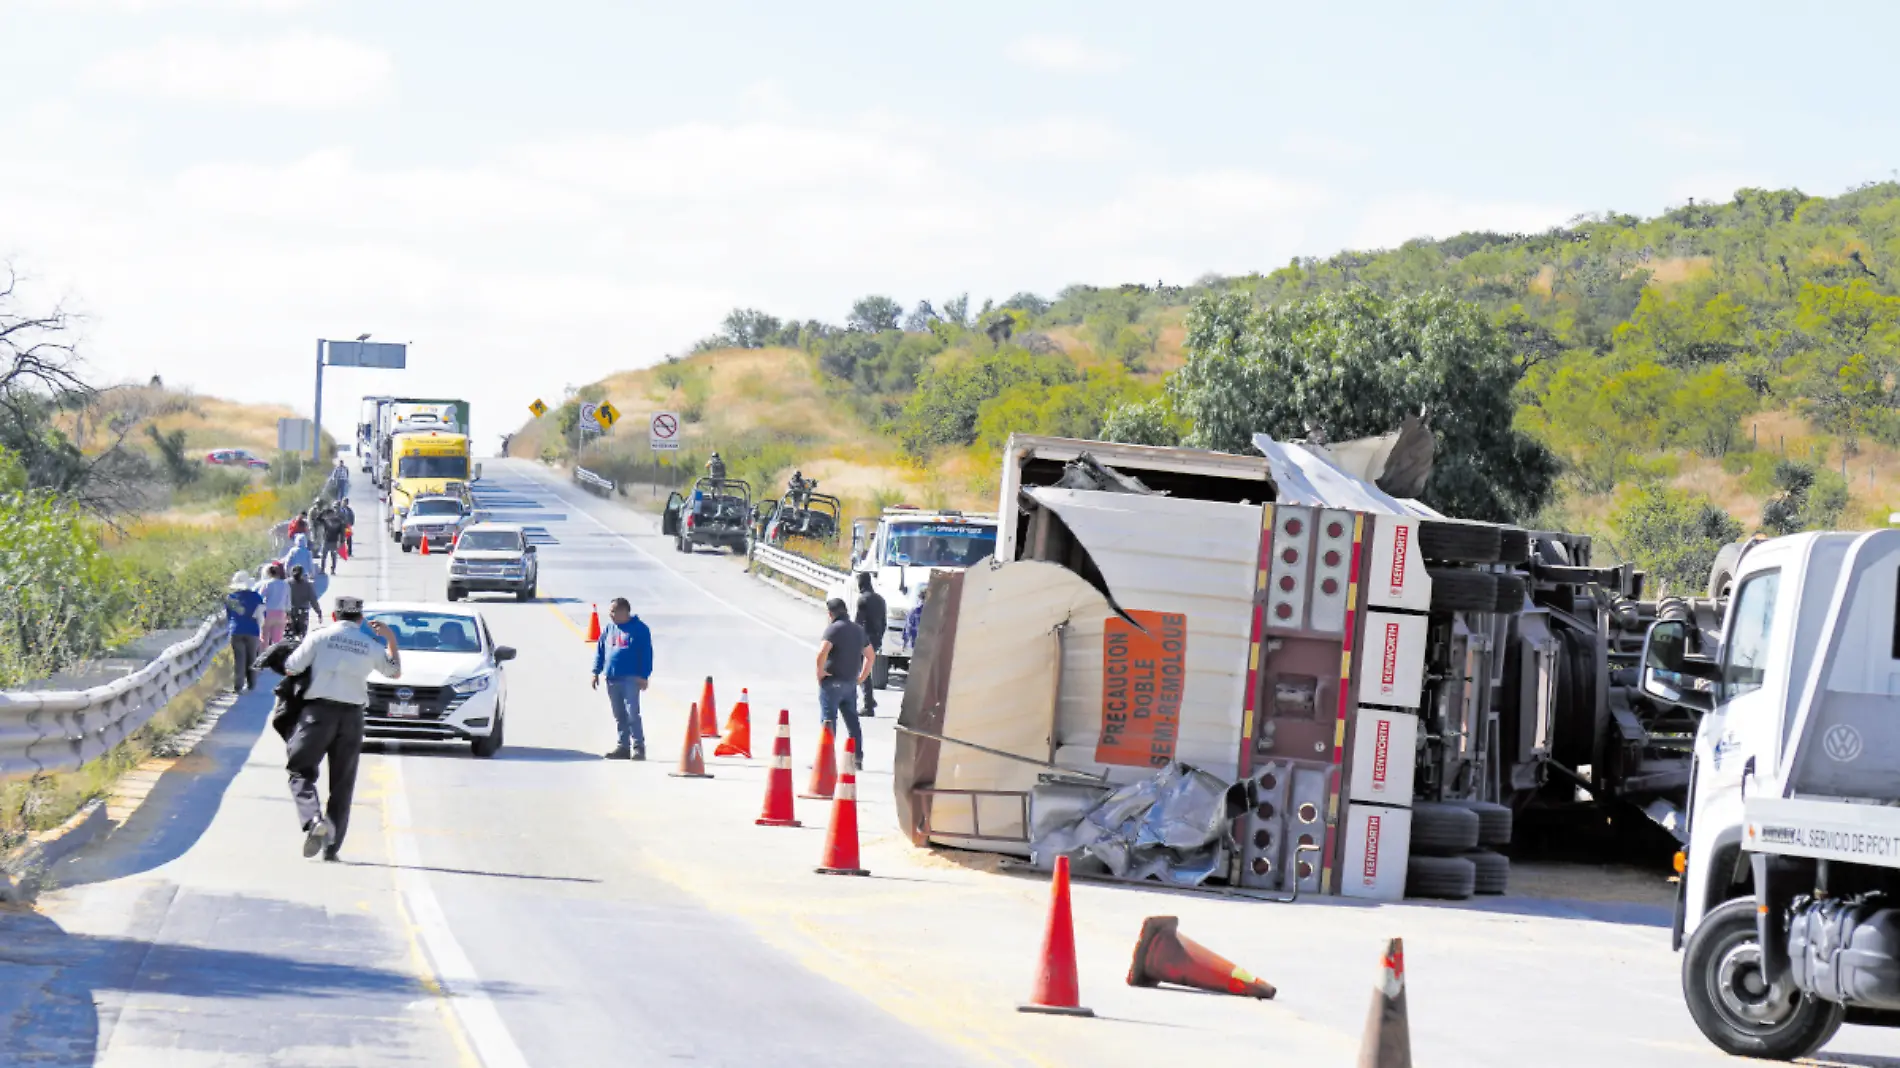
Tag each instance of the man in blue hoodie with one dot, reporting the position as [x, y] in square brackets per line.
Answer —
[625, 653]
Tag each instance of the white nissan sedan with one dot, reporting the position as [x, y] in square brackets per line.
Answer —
[452, 686]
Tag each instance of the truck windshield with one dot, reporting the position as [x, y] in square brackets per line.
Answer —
[432, 467]
[437, 506]
[939, 544]
[491, 541]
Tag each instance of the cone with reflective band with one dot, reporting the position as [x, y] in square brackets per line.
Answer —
[1388, 1039]
[778, 782]
[1057, 989]
[593, 625]
[708, 712]
[824, 770]
[841, 838]
[738, 739]
[1164, 955]
[692, 762]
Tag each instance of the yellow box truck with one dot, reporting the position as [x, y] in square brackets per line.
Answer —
[422, 463]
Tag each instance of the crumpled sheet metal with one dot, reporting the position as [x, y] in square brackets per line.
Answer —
[1170, 826]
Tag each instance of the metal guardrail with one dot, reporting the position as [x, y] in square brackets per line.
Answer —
[58, 730]
[591, 481]
[795, 567]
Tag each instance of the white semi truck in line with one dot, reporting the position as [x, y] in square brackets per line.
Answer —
[901, 553]
[1788, 912]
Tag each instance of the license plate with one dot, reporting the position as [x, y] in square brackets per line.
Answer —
[404, 708]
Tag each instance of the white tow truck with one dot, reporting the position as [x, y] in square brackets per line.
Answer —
[900, 554]
[1789, 907]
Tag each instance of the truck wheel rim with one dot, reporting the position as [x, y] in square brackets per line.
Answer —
[1743, 995]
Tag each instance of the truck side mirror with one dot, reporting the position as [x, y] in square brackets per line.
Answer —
[478, 473]
[1666, 645]
[1669, 670]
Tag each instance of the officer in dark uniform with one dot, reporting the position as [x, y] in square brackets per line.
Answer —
[872, 617]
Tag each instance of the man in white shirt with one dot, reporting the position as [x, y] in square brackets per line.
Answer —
[339, 659]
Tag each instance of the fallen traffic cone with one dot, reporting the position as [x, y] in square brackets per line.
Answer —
[593, 625]
[708, 712]
[778, 782]
[738, 739]
[841, 838]
[1057, 990]
[824, 770]
[1388, 1039]
[1164, 955]
[692, 764]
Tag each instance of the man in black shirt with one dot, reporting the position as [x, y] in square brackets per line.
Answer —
[844, 661]
[871, 619]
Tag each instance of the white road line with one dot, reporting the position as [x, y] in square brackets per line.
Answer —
[457, 976]
[684, 577]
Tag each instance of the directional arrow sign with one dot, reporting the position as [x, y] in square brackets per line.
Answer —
[539, 409]
[663, 432]
[606, 415]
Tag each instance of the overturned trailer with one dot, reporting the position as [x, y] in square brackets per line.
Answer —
[1374, 683]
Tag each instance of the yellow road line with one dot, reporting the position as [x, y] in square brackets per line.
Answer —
[571, 625]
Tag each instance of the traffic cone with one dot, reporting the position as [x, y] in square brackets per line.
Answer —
[1388, 1039]
[1057, 990]
[343, 547]
[738, 739]
[593, 625]
[692, 763]
[425, 545]
[778, 782]
[708, 712]
[824, 770]
[1164, 955]
[841, 838]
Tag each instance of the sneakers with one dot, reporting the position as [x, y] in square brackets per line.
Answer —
[621, 753]
[329, 856]
[315, 837]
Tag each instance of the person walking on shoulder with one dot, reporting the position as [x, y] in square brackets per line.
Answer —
[275, 589]
[625, 654]
[844, 663]
[872, 618]
[243, 623]
[337, 660]
[303, 603]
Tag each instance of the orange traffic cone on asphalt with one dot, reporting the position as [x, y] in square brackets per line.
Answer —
[841, 838]
[738, 739]
[692, 763]
[1057, 989]
[343, 547]
[425, 545]
[1388, 1039]
[1164, 955]
[593, 625]
[778, 782]
[708, 712]
[824, 770]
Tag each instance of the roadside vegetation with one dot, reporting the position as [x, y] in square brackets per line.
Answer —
[1657, 382]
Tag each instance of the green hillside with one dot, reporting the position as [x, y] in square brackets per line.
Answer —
[1719, 367]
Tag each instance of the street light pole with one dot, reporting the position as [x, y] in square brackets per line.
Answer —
[316, 438]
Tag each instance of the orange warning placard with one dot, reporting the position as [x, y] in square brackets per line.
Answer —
[1143, 671]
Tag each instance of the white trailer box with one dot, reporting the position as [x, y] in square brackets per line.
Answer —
[1377, 841]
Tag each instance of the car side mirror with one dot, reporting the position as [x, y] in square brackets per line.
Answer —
[504, 653]
[1669, 669]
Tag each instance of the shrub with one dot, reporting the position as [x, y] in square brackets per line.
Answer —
[1672, 535]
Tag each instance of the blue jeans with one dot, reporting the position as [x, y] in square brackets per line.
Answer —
[623, 696]
[840, 694]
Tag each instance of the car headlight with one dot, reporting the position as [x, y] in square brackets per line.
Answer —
[472, 684]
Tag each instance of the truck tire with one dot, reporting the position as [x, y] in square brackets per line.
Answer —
[1444, 830]
[1494, 822]
[1493, 871]
[1458, 543]
[1721, 982]
[455, 593]
[1511, 590]
[1514, 546]
[1449, 878]
[1457, 590]
[881, 672]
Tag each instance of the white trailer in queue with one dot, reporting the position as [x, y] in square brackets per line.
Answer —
[1789, 905]
[901, 552]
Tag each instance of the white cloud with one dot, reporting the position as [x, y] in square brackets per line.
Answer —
[1065, 54]
[297, 70]
[1390, 221]
[141, 6]
[1060, 137]
[1324, 148]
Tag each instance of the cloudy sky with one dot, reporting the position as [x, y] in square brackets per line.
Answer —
[534, 195]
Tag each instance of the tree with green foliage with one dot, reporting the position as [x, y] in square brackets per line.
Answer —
[179, 467]
[750, 328]
[950, 396]
[1809, 499]
[1672, 535]
[1146, 422]
[874, 314]
[1355, 364]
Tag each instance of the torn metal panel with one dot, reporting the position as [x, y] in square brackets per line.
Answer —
[1162, 555]
[1305, 475]
[1171, 825]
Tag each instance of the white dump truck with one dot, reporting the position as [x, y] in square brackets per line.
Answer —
[1788, 912]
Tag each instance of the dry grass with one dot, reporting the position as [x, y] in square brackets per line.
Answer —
[208, 422]
[1678, 269]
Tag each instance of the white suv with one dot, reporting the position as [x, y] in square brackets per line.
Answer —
[494, 557]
